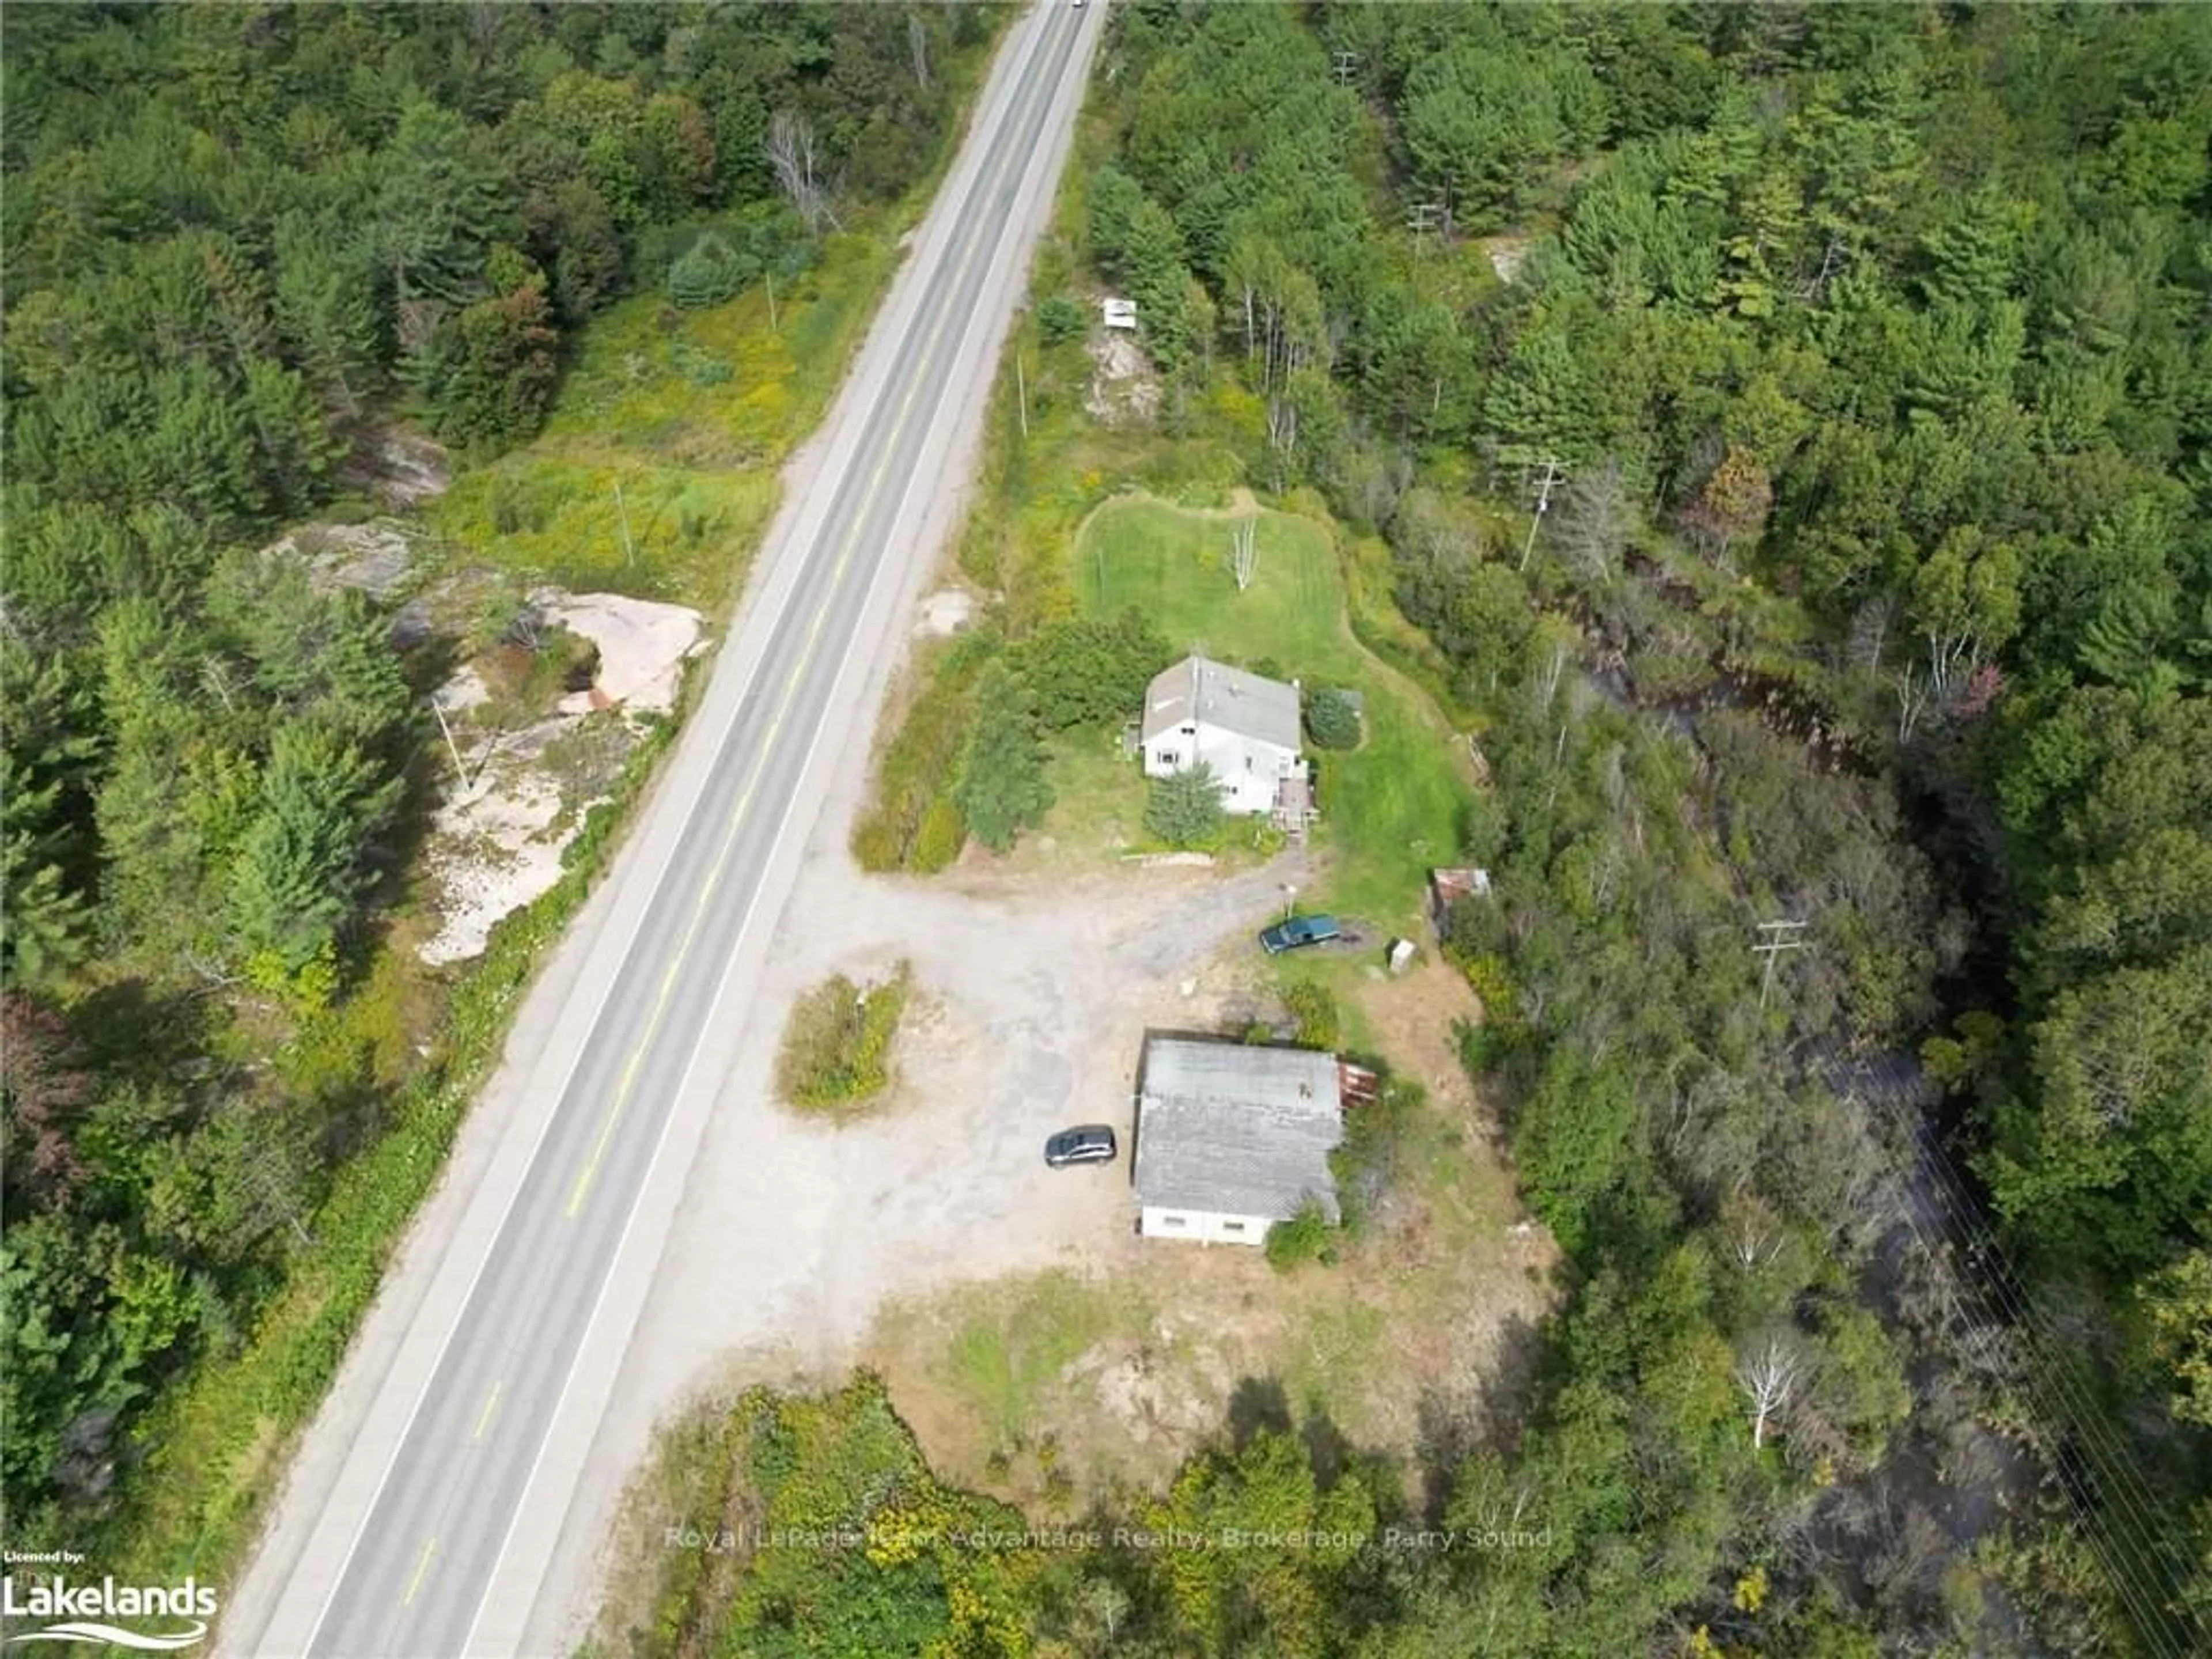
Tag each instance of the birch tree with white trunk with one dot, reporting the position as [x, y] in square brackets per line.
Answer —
[1244, 552]
[1770, 1375]
[791, 152]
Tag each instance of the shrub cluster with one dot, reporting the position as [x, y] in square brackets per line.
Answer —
[836, 1050]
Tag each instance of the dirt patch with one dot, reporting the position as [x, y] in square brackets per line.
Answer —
[948, 611]
[400, 469]
[1415, 1016]
[520, 792]
[1124, 390]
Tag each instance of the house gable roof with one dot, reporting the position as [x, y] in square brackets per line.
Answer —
[1236, 1129]
[1208, 693]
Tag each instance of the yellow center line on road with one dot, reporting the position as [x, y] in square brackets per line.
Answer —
[429, 1549]
[491, 1404]
[790, 691]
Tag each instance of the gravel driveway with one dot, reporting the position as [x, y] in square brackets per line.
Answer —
[1029, 1015]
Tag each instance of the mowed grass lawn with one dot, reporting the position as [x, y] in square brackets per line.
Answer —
[1392, 808]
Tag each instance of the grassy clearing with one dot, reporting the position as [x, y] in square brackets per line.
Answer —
[1391, 808]
[1012, 1344]
[688, 414]
[1098, 803]
[836, 1053]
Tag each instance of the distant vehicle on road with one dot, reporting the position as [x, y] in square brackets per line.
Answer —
[1093, 1143]
[1297, 932]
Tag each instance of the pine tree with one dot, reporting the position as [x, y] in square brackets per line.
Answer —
[490, 369]
[303, 864]
[1003, 789]
[327, 308]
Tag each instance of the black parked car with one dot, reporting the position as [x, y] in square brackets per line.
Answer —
[1093, 1143]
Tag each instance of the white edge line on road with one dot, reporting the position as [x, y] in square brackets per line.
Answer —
[853, 659]
[627, 1083]
[544, 1131]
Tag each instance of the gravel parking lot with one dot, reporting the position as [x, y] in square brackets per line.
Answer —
[1029, 1015]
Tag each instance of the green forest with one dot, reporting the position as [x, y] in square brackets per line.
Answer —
[1792, 427]
[1871, 350]
[1791, 424]
[241, 243]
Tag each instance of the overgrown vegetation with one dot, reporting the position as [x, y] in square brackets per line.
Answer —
[1857, 357]
[823, 1533]
[1302, 1237]
[240, 244]
[836, 1053]
[1313, 1008]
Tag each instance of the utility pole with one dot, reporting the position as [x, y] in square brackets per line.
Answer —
[629, 552]
[1021, 395]
[460, 768]
[1345, 63]
[1426, 215]
[774, 326]
[1775, 938]
[1543, 505]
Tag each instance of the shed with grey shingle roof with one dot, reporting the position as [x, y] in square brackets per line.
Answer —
[1232, 1138]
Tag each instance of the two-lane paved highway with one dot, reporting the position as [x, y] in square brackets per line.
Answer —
[421, 1541]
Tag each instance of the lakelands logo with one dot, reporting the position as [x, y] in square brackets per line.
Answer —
[83, 1613]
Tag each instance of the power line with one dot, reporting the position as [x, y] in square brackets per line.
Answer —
[1775, 938]
[2122, 1582]
[1426, 217]
[1551, 475]
[2125, 1540]
[2119, 1482]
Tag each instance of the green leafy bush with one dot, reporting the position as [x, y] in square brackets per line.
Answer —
[1060, 319]
[1002, 789]
[709, 272]
[1185, 810]
[836, 1048]
[1330, 720]
[1091, 673]
[1377, 1152]
[1305, 1236]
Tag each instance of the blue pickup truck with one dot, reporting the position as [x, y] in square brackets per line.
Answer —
[1298, 931]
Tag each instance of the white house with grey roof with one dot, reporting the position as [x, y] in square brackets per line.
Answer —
[1242, 726]
[1232, 1138]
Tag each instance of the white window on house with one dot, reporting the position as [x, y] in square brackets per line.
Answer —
[1232, 1226]
[1171, 1221]
[1167, 757]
